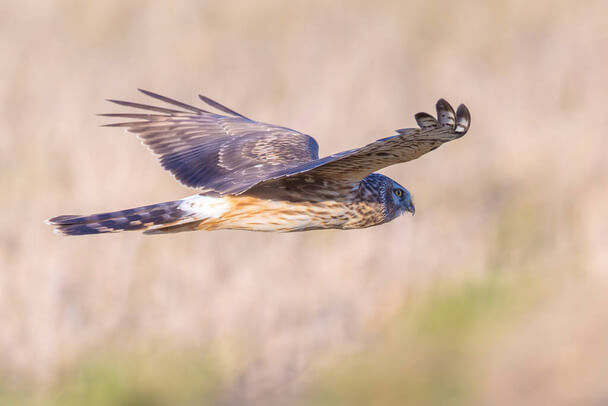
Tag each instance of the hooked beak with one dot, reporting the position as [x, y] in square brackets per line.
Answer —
[410, 207]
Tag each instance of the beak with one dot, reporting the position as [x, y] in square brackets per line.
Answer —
[410, 207]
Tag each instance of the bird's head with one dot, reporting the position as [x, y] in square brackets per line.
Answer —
[398, 199]
[395, 198]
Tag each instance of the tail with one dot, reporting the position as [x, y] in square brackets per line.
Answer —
[140, 218]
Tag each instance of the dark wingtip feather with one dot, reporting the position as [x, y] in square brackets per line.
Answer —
[163, 110]
[63, 219]
[443, 103]
[425, 121]
[220, 107]
[67, 225]
[172, 101]
[80, 229]
[445, 114]
[463, 120]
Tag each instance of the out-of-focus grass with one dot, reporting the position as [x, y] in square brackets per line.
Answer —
[149, 375]
[426, 356]
[435, 354]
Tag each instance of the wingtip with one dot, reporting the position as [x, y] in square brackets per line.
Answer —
[442, 102]
[220, 106]
[463, 120]
[57, 230]
[445, 113]
[105, 115]
[146, 92]
[425, 120]
[458, 121]
[463, 111]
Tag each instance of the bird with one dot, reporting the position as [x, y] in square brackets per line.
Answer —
[256, 176]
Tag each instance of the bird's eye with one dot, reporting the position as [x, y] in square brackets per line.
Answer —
[398, 192]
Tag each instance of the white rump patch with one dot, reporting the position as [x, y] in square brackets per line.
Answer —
[204, 206]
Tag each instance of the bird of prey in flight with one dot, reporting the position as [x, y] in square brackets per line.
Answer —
[256, 176]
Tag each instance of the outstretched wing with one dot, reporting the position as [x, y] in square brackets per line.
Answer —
[222, 153]
[410, 143]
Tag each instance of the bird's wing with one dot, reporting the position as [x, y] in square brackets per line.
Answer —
[223, 153]
[409, 143]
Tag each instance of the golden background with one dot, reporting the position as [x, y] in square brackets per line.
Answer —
[495, 293]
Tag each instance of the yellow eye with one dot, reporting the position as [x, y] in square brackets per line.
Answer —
[398, 192]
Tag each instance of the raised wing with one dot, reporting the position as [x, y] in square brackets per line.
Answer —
[221, 153]
[410, 143]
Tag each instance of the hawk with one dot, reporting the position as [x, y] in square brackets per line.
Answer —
[263, 177]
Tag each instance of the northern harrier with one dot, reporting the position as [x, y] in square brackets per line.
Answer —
[263, 177]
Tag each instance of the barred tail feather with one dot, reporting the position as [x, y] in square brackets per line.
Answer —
[140, 218]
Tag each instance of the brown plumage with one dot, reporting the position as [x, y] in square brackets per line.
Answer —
[262, 177]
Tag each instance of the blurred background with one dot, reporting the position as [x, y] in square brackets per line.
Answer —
[493, 294]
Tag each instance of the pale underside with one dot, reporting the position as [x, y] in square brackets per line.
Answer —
[256, 214]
